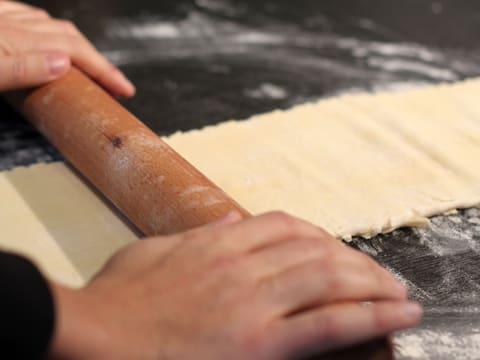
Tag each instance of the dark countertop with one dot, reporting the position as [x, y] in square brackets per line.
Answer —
[205, 61]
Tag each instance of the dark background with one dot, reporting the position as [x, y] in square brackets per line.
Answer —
[201, 62]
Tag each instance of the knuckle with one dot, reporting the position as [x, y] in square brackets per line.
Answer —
[68, 25]
[315, 248]
[336, 284]
[267, 286]
[327, 265]
[287, 222]
[330, 327]
[191, 235]
[68, 29]
[227, 247]
[206, 233]
[215, 238]
[223, 262]
[65, 43]
[217, 233]
[278, 215]
[225, 243]
[223, 256]
[310, 245]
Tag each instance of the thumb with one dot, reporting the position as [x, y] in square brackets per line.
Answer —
[31, 69]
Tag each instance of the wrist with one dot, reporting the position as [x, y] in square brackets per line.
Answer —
[77, 334]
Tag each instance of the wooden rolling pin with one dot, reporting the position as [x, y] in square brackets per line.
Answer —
[156, 188]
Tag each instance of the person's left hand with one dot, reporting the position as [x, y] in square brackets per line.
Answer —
[36, 48]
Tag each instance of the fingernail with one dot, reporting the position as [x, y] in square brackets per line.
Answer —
[58, 63]
[412, 310]
[230, 217]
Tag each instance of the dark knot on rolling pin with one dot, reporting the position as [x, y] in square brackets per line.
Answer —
[116, 142]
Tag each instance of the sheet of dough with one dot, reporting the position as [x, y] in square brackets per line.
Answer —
[357, 164]
[49, 214]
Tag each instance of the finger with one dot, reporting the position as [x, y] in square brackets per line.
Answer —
[84, 55]
[284, 255]
[325, 282]
[279, 257]
[342, 325]
[265, 230]
[22, 71]
[222, 245]
[151, 253]
[204, 230]
[367, 265]
[16, 15]
[43, 25]
[9, 6]
[163, 245]
[101, 70]
[229, 244]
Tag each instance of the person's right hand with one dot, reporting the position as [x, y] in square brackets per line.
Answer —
[36, 48]
[267, 288]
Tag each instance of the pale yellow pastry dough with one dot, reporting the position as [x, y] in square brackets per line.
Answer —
[49, 214]
[356, 164]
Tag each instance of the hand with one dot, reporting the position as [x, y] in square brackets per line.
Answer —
[269, 287]
[35, 49]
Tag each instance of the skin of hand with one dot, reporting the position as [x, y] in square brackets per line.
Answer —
[36, 48]
[269, 287]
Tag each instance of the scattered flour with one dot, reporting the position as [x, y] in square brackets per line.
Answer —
[204, 33]
[267, 91]
[449, 235]
[396, 65]
[430, 345]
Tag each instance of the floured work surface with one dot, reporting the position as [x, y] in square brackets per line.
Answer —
[356, 164]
